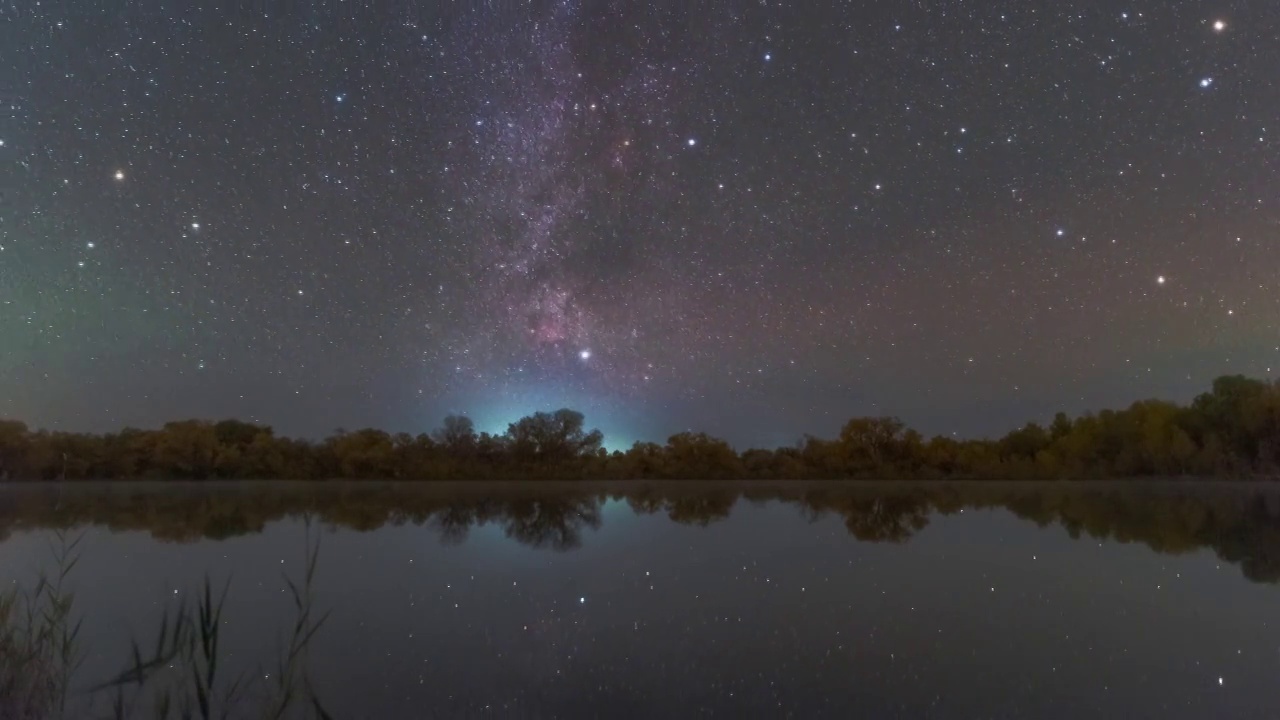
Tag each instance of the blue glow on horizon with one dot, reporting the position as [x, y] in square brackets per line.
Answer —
[494, 414]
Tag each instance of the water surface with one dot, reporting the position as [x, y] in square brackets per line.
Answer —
[690, 599]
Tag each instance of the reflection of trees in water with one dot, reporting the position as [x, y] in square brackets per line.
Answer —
[454, 523]
[886, 519]
[552, 522]
[1243, 526]
[701, 509]
[555, 523]
[1258, 553]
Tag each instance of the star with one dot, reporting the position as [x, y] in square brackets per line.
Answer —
[585, 354]
[1160, 280]
[1206, 82]
[119, 175]
[768, 57]
[1060, 232]
[692, 142]
[195, 226]
[1219, 25]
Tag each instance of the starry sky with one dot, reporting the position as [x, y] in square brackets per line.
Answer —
[755, 219]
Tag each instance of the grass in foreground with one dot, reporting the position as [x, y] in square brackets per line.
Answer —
[180, 675]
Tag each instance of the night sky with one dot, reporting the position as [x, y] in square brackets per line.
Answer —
[754, 219]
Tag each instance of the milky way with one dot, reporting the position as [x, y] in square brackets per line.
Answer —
[548, 184]
[753, 219]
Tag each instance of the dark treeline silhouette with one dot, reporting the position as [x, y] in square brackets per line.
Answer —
[1242, 525]
[1231, 431]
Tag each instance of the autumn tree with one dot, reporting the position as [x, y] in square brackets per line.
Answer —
[552, 437]
[457, 435]
[14, 444]
[698, 456]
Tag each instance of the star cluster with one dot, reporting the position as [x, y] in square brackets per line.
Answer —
[756, 220]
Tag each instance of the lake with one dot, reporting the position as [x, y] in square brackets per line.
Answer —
[622, 600]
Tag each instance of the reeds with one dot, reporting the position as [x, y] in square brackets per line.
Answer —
[38, 641]
[179, 675]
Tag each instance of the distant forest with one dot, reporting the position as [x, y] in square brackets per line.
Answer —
[1231, 431]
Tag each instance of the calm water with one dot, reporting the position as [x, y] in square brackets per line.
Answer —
[677, 600]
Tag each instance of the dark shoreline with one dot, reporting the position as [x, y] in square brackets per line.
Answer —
[1232, 431]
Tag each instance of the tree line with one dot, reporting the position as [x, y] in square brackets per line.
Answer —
[1233, 430]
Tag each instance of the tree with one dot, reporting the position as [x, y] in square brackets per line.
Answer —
[552, 437]
[14, 445]
[1025, 442]
[1060, 428]
[186, 449]
[458, 435]
[1223, 412]
[237, 433]
[698, 456]
[872, 446]
[365, 455]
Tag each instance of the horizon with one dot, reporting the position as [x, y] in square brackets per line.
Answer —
[499, 430]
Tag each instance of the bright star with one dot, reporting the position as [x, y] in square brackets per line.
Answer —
[1206, 82]
[692, 142]
[585, 354]
[119, 175]
[341, 98]
[89, 245]
[768, 57]
[1061, 232]
[1160, 280]
[1219, 26]
[195, 226]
